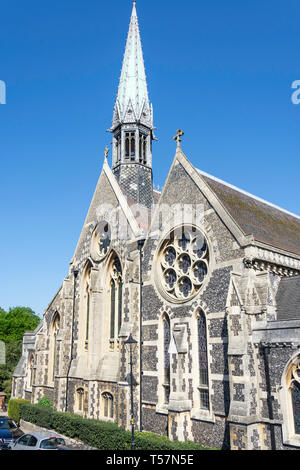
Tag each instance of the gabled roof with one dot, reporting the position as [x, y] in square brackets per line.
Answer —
[288, 298]
[267, 223]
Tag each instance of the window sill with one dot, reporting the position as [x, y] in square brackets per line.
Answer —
[202, 415]
[162, 409]
[293, 441]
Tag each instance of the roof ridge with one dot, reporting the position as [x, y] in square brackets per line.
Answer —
[235, 188]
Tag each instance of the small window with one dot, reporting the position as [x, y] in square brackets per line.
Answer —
[80, 398]
[52, 443]
[24, 440]
[108, 402]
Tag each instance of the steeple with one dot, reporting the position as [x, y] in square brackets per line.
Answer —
[132, 125]
[132, 94]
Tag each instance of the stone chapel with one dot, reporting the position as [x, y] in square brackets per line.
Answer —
[204, 276]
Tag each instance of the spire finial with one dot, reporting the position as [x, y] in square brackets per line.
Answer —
[179, 134]
[106, 152]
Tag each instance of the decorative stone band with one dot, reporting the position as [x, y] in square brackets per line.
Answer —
[263, 265]
[258, 254]
[283, 344]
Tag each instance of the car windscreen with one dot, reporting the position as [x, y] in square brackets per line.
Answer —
[52, 443]
[12, 424]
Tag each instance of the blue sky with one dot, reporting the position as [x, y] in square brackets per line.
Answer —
[221, 71]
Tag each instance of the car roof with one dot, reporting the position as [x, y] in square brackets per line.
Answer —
[42, 434]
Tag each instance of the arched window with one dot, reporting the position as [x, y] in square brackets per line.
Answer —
[55, 326]
[167, 339]
[203, 361]
[130, 145]
[118, 147]
[31, 371]
[293, 382]
[143, 149]
[79, 400]
[108, 405]
[116, 299]
[87, 299]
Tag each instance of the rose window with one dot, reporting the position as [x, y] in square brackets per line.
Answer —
[104, 240]
[101, 241]
[184, 263]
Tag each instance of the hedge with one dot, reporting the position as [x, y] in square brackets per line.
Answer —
[98, 434]
[14, 408]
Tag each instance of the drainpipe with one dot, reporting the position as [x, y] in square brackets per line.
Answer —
[75, 273]
[141, 243]
[266, 351]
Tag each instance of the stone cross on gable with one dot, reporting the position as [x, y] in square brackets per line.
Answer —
[179, 134]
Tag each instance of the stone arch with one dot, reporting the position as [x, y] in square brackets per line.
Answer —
[107, 405]
[53, 347]
[290, 400]
[114, 304]
[85, 306]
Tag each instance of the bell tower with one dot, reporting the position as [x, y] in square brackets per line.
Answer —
[132, 125]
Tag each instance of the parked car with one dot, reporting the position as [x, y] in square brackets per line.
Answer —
[43, 440]
[9, 432]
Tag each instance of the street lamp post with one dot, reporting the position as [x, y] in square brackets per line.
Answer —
[131, 343]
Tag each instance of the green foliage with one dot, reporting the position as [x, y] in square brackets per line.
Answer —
[13, 325]
[44, 401]
[15, 322]
[14, 409]
[101, 435]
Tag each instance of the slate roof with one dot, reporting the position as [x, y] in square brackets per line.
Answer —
[267, 223]
[288, 298]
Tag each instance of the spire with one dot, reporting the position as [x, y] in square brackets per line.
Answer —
[132, 125]
[132, 103]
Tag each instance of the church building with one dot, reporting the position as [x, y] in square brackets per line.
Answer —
[205, 278]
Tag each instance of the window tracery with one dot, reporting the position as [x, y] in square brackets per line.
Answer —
[184, 260]
[108, 405]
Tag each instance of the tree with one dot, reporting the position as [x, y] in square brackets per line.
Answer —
[13, 325]
[15, 322]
